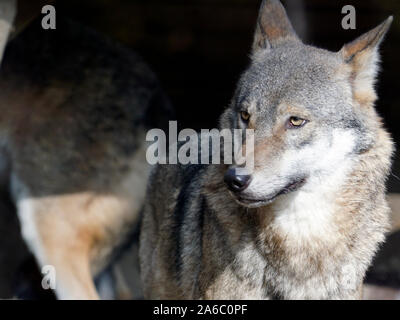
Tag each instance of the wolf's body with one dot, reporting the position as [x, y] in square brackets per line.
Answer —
[309, 218]
[74, 109]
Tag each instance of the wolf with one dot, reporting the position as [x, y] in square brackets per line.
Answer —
[307, 220]
[74, 111]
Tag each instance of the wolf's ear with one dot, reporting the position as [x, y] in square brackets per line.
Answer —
[273, 26]
[362, 55]
[8, 9]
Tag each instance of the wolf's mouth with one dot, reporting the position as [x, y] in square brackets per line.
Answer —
[252, 202]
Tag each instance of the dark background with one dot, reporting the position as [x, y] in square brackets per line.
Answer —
[198, 48]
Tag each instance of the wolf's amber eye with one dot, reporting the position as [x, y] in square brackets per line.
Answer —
[295, 122]
[245, 116]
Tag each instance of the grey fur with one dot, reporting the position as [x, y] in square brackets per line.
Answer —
[201, 241]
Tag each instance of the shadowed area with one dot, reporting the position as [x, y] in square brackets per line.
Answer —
[198, 48]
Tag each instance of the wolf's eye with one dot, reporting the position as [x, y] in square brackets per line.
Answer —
[295, 122]
[245, 116]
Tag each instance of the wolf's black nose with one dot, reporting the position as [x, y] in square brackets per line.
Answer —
[236, 182]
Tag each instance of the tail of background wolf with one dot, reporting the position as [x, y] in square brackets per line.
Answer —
[75, 108]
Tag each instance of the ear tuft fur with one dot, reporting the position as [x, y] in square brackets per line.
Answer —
[362, 57]
[367, 42]
[273, 26]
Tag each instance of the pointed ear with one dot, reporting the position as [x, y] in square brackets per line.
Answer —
[8, 9]
[273, 26]
[362, 56]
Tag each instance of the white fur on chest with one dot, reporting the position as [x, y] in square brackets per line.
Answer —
[303, 216]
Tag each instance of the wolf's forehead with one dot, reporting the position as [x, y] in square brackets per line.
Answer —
[291, 74]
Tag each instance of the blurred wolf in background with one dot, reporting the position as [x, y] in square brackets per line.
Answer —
[307, 221]
[74, 110]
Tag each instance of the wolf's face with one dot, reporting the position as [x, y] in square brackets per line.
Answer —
[308, 108]
[300, 108]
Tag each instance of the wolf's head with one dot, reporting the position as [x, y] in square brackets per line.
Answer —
[311, 110]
